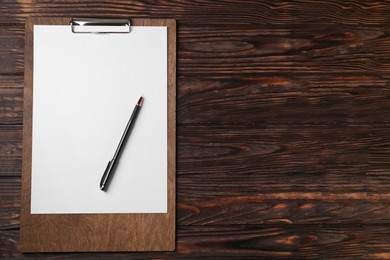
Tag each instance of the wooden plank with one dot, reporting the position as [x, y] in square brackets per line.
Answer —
[283, 174]
[304, 48]
[257, 209]
[11, 151]
[284, 98]
[277, 208]
[247, 209]
[285, 241]
[11, 48]
[323, 157]
[252, 242]
[254, 50]
[202, 11]
[11, 99]
[264, 173]
[301, 152]
[9, 203]
[275, 99]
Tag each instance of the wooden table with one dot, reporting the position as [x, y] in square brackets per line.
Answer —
[283, 113]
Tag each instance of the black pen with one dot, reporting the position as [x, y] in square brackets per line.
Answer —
[111, 166]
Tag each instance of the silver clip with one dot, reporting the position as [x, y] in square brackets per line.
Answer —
[97, 25]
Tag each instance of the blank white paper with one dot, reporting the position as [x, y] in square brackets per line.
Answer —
[85, 87]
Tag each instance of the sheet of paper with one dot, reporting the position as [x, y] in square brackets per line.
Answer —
[84, 91]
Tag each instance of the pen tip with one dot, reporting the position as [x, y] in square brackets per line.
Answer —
[140, 101]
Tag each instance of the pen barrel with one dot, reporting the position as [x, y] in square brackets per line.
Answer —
[126, 134]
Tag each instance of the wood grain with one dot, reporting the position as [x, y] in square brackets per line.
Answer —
[302, 48]
[10, 190]
[202, 11]
[283, 126]
[340, 155]
[11, 99]
[11, 48]
[256, 64]
[282, 99]
[10, 151]
[263, 174]
[236, 50]
[278, 208]
[301, 152]
[254, 242]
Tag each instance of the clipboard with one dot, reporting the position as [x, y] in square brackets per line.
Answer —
[98, 232]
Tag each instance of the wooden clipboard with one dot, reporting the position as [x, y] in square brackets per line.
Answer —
[97, 232]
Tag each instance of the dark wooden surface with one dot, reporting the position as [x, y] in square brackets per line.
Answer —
[283, 125]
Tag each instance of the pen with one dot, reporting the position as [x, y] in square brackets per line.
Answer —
[111, 166]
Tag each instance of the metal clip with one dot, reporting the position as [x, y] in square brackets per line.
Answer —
[97, 25]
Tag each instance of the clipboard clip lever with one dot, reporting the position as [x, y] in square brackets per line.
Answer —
[100, 25]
